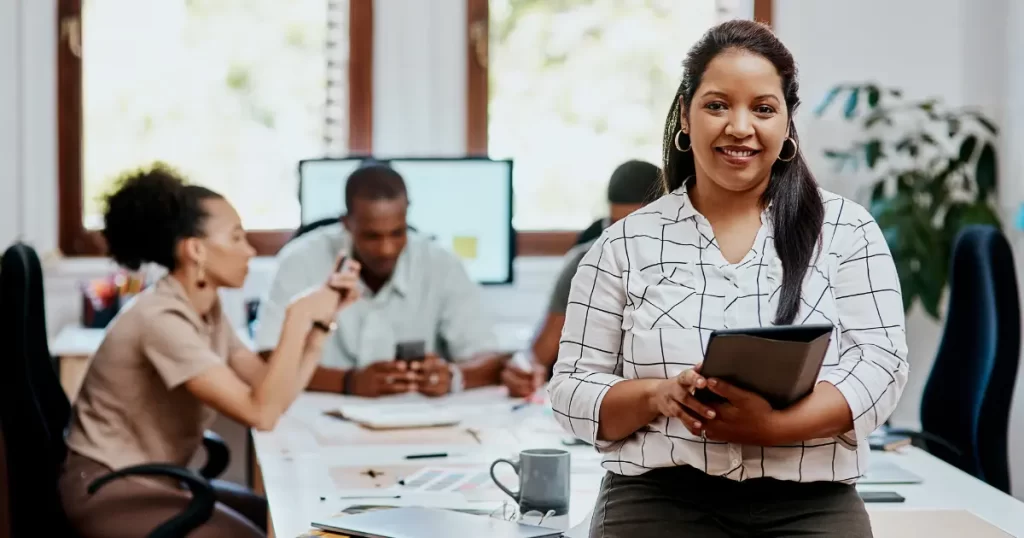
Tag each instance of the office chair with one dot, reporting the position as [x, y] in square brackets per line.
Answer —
[592, 232]
[310, 226]
[965, 408]
[34, 414]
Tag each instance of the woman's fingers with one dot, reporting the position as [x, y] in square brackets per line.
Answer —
[697, 407]
[342, 280]
[691, 379]
[673, 409]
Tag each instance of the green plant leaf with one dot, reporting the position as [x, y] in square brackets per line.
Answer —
[967, 148]
[851, 103]
[930, 289]
[952, 125]
[875, 116]
[873, 95]
[836, 154]
[985, 173]
[979, 213]
[929, 107]
[829, 97]
[987, 123]
[878, 192]
[873, 152]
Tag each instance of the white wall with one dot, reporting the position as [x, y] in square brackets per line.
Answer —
[28, 164]
[969, 52]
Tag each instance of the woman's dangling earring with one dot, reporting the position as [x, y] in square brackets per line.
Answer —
[796, 149]
[200, 276]
[679, 146]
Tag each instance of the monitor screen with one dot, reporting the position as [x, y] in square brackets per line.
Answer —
[464, 204]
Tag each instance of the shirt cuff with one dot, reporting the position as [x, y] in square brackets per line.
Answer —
[577, 404]
[859, 406]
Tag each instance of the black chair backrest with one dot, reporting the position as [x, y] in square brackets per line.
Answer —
[34, 410]
[967, 397]
[310, 226]
[592, 232]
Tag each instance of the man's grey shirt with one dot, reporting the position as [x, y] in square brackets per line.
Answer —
[430, 297]
[560, 294]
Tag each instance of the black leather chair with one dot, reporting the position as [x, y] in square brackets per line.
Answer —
[310, 226]
[592, 232]
[965, 408]
[34, 414]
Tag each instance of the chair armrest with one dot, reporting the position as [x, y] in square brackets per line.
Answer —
[218, 456]
[197, 512]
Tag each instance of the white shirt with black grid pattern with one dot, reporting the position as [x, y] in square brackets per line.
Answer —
[653, 287]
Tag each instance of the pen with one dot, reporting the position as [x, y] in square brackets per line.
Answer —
[424, 456]
[519, 406]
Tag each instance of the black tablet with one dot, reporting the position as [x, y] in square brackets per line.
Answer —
[781, 363]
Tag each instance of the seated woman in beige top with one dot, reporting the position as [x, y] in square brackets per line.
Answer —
[171, 360]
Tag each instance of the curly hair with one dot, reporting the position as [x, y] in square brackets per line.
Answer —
[149, 210]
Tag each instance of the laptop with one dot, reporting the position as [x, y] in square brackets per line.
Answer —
[419, 522]
[888, 473]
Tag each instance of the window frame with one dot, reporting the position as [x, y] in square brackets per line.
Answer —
[74, 239]
[537, 243]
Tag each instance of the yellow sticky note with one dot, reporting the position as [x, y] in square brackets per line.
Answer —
[464, 246]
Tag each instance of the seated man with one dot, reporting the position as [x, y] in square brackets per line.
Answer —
[413, 290]
[632, 184]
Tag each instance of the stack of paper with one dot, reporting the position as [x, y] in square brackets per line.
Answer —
[397, 417]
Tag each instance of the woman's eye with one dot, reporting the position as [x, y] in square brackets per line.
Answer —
[715, 106]
[764, 109]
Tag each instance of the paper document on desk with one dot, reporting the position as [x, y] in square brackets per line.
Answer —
[396, 417]
[473, 483]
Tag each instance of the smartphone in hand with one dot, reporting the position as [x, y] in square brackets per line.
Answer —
[411, 351]
[337, 269]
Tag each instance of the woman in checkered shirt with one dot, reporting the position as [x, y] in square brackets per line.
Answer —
[743, 237]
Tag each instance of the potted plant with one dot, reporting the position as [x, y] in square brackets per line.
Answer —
[933, 171]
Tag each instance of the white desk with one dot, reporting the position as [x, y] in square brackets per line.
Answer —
[310, 456]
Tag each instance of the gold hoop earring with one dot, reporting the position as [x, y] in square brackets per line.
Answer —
[679, 146]
[796, 150]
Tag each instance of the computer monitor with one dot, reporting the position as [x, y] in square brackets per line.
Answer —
[465, 204]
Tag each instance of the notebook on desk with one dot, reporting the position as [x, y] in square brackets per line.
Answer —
[397, 417]
[418, 522]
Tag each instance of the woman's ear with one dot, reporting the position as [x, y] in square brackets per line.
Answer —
[193, 251]
[684, 124]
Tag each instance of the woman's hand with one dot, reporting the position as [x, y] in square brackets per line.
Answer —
[673, 397]
[745, 418]
[324, 302]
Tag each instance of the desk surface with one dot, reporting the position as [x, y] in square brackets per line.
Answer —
[312, 465]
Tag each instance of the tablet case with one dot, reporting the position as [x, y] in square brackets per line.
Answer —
[781, 363]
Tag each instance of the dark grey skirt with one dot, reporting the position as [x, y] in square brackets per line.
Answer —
[684, 502]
